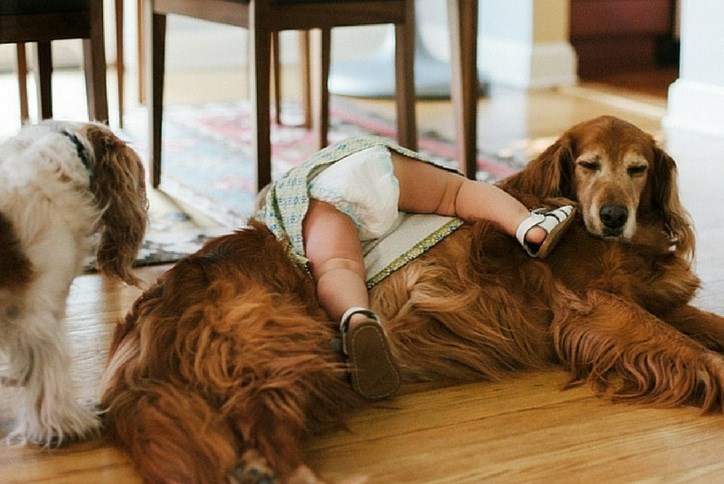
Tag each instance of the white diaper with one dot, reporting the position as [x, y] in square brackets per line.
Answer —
[364, 187]
[356, 176]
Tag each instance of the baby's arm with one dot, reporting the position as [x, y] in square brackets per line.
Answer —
[425, 188]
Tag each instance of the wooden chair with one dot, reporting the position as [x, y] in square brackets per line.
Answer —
[42, 22]
[263, 18]
[304, 63]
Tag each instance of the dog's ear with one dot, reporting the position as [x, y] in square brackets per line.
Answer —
[16, 269]
[119, 187]
[549, 175]
[666, 204]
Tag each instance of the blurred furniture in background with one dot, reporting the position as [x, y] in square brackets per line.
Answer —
[42, 21]
[263, 18]
[614, 36]
[462, 82]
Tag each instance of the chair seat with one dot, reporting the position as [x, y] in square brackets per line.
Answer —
[21, 7]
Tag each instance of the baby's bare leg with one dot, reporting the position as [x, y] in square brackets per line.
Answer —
[332, 245]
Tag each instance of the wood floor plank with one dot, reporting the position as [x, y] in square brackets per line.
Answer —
[520, 430]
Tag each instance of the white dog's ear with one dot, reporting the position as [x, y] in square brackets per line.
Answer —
[119, 186]
[16, 269]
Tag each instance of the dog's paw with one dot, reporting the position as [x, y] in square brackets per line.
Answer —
[56, 425]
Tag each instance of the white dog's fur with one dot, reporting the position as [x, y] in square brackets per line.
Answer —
[61, 184]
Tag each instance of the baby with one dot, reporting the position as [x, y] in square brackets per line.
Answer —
[352, 193]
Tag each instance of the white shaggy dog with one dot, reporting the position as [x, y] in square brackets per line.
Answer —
[61, 185]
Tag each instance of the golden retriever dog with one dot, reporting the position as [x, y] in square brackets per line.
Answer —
[221, 367]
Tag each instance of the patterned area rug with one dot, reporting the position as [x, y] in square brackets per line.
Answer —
[207, 165]
[207, 160]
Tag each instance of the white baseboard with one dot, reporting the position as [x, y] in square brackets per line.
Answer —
[526, 66]
[695, 106]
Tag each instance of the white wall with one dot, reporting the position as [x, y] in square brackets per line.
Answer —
[702, 33]
[696, 99]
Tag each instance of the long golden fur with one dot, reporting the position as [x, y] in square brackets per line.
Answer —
[225, 363]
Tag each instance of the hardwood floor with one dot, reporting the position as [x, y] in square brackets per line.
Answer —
[525, 429]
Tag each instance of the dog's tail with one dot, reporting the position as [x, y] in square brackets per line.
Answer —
[172, 435]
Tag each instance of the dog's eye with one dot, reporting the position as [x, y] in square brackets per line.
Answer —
[636, 170]
[591, 165]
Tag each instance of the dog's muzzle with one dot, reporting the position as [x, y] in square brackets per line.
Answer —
[613, 218]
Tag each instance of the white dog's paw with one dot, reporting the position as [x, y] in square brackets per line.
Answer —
[56, 426]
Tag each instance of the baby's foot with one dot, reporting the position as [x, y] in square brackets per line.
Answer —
[540, 232]
[372, 369]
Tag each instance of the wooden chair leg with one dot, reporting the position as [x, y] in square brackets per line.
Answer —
[463, 20]
[405, 80]
[42, 80]
[120, 61]
[275, 77]
[321, 67]
[155, 57]
[305, 72]
[95, 79]
[94, 59]
[141, 51]
[260, 40]
[21, 68]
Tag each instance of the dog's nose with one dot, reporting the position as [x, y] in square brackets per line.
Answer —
[613, 216]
